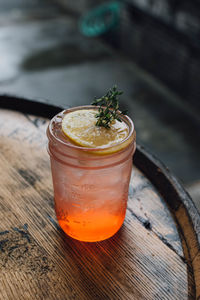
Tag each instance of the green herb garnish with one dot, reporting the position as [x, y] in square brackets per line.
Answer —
[108, 108]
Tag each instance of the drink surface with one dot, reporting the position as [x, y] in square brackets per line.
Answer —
[90, 191]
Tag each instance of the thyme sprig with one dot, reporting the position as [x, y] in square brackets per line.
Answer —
[108, 108]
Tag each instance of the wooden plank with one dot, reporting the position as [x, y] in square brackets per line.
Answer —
[184, 211]
[192, 244]
[23, 128]
[196, 264]
[150, 208]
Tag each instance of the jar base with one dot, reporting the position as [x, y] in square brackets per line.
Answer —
[90, 237]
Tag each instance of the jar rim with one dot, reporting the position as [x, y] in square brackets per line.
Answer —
[125, 118]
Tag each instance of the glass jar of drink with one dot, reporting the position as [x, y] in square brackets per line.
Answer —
[90, 184]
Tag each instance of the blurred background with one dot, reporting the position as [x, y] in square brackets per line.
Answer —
[66, 52]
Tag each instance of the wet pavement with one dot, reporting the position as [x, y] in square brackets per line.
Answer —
[43, 55]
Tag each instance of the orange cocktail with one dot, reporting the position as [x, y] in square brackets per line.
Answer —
[90, 178]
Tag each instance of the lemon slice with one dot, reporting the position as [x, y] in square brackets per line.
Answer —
[79, 126]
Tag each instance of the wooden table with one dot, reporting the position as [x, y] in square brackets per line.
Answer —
[155, 255]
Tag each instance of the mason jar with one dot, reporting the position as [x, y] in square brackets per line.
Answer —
[90, 184]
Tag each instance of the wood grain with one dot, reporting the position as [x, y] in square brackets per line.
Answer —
[144, 260]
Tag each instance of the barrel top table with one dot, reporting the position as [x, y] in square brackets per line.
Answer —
[155, 255]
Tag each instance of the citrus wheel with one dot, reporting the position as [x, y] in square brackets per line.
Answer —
[79, 126]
